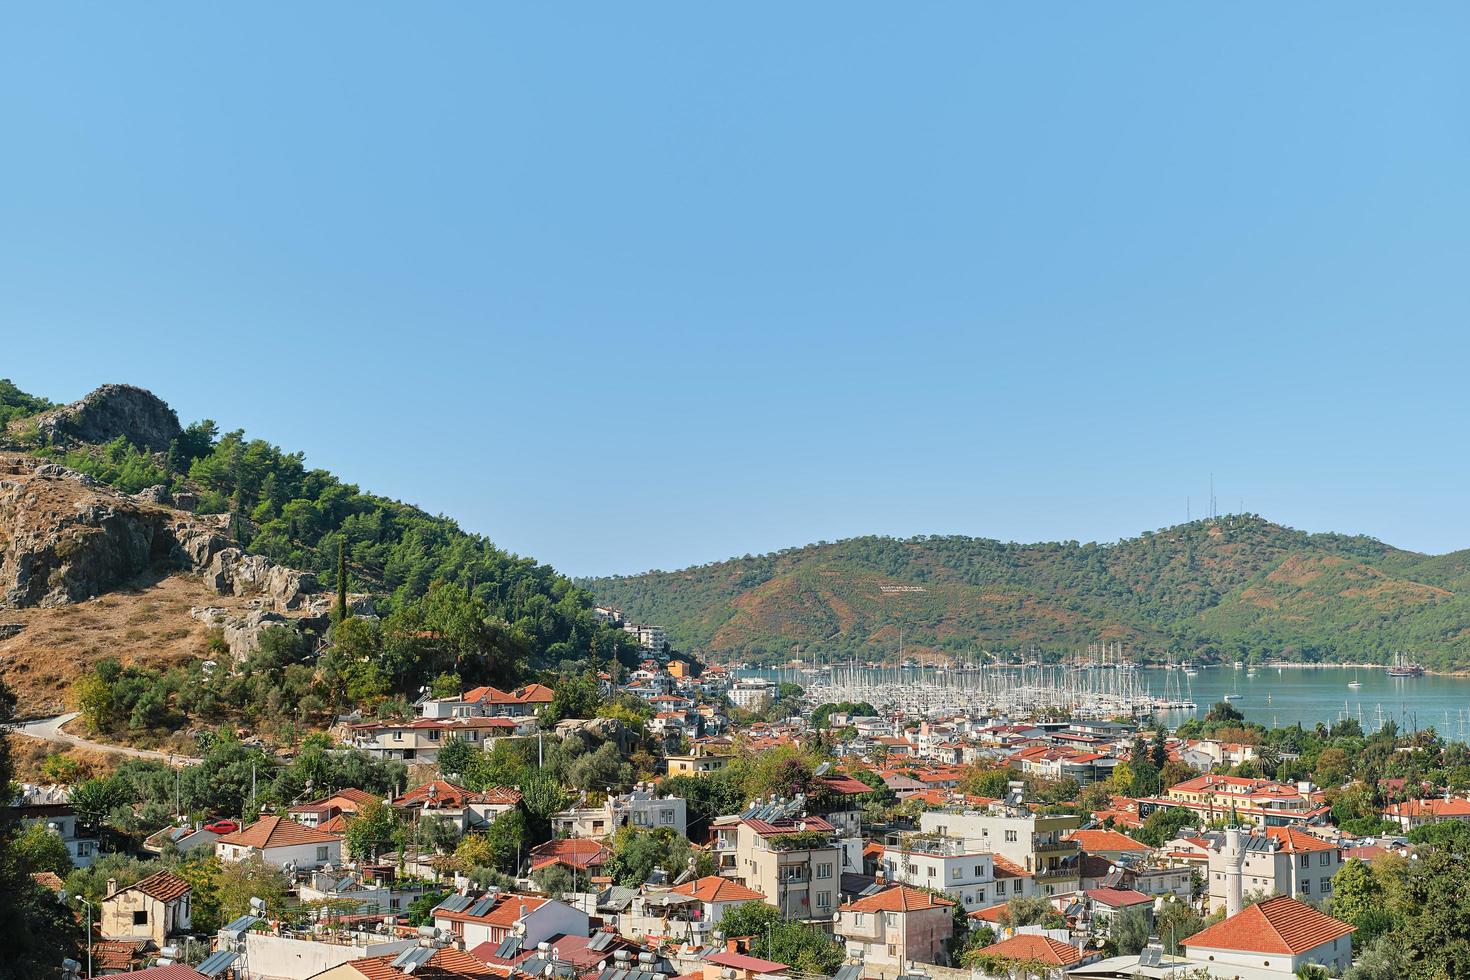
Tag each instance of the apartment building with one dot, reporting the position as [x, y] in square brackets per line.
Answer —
[1034, 842]
[1261, 802]
[962, 869]
[753, 693]
[793, 860]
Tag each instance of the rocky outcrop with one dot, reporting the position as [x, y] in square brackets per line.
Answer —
[65, 538]
[232, 572]
[242, 632]
[140, 416]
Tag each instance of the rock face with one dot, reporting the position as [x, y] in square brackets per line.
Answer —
[233, 572]
[65, 538]
[109, 412]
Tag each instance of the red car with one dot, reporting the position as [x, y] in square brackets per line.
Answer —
[222, 826]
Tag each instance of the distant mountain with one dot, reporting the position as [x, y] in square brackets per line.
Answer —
[1233, 587]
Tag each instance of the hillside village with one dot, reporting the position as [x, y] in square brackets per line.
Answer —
[776, 839]
[381, 748]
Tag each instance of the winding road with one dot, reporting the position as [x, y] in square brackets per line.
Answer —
[50, 730]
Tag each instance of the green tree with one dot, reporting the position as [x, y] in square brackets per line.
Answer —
[370, 831]
[1129, 932]
[39, 849]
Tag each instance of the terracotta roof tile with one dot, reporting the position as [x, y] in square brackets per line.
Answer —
[1277, 925]
[898, 898]
[1040, 948]
[276, 832]
[713, 888]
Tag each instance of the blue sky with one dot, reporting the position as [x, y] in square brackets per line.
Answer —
[630, 286]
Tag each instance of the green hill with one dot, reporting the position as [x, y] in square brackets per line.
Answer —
[298, 516]
[1238, 586]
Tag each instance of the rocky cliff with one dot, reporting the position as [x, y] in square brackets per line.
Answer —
[108, 412]
[65, 538]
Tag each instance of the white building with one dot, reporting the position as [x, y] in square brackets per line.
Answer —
[492, 917]
[1281, 861]
[753, 693]
[964, 870]
[283, 843]
[643, 808]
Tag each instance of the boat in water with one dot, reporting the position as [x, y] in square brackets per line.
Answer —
[1402, 666]
[1234, 697]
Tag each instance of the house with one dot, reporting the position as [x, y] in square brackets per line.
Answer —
[324, 813]
[182, 839]
[283, 843]
[962, 869]
[697, 763]
[61, 819]
[155, 907]
[419, 739]
[1415, 813]
[1106, 904]
[790, 858]
[1040, 950]
[493, 917]
[642, 808]
[1277, 934]
[465, 809]
[1235, 799]
[895, 926]
[573, 853]
[690, 911]
[730, 965]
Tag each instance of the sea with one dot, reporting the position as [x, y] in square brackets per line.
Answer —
[1283, 696]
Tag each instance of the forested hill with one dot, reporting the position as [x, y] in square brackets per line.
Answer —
[525, 613]
[1237, 586]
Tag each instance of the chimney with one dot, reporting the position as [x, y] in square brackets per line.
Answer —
[731, 946]
[111, 886]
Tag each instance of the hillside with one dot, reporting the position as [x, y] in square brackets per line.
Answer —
[181, 533]
[1238, 586]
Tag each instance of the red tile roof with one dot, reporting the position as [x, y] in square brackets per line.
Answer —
[1118, 898]
[898, 898]
[1277, 925]
[739, 961]
[1296, 841]
[505, 912]
[1040, 948]
[1096, 841]
[574, 852]
[276, 832]
[176, 971]
[447, 964]
[713, 888]
[165, 886]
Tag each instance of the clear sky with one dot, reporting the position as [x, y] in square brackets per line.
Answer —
[632, 285]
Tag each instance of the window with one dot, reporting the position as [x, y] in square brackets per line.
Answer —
[857, 918]
[140, 918]
[1306, 861]
[1325, 859]
[890, 918]
[824, 900]
[980, 896]
[434, 735]
[1016, 886]
[666, 816]
[824, 870]
[321, 854]
[930, 871]
[955, 873]
[1306, 886]
[979, 871]
[1326, 886]
[1010, 836]
[397, 736]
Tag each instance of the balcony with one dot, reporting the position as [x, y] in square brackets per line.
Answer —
[1059, 847]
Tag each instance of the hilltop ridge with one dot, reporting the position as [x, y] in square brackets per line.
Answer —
[1237, 586]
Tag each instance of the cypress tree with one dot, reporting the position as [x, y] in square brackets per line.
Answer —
[341, 613]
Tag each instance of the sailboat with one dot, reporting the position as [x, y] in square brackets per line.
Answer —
[1354, 684]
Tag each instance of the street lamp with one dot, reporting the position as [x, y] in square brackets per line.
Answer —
[89, 933]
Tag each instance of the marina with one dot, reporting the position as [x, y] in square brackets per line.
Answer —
[1270, 695]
